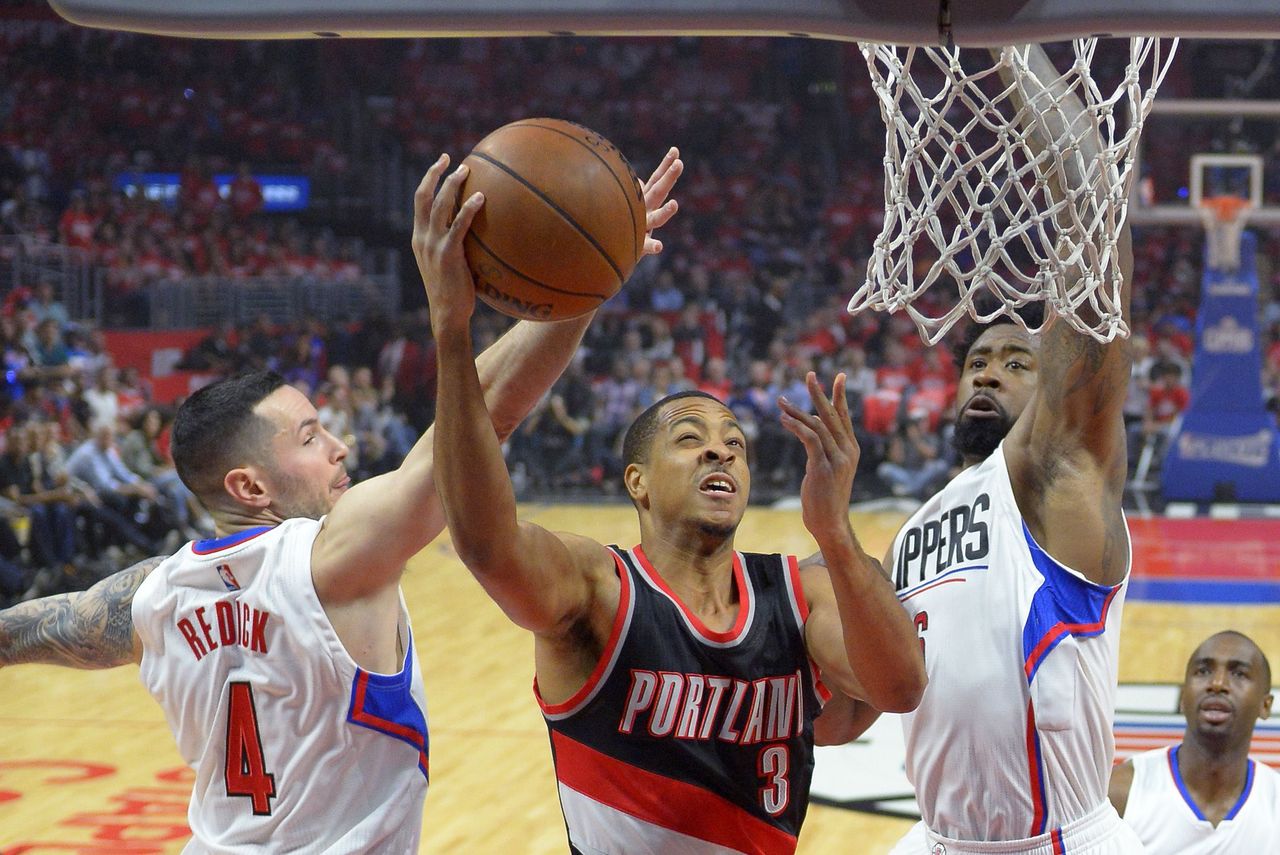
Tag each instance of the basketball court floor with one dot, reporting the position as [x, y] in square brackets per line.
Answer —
[87, 764]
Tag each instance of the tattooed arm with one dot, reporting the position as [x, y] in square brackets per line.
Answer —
[86, 629]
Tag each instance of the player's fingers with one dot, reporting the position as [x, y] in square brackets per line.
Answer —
[652, 246]
[828, 423]
[664, 165]
[465, 215]
[802, 432]
[840, 399]
[425, 194]
[796, 413]
[446, 202]
[659, 217]
[826, 443]
[821, 405]
[663, 179]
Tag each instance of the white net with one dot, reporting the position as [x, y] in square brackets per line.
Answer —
[1011, 180]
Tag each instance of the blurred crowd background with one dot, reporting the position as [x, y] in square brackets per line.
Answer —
[780, 202]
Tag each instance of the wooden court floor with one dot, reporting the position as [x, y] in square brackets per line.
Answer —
[87, 764]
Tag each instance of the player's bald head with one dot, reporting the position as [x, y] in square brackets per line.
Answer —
[1260, 658]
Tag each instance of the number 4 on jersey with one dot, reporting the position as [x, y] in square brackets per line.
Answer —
[247, 773]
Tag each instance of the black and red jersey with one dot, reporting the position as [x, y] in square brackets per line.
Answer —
[686, 740]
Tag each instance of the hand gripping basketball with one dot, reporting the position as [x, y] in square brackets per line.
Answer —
[437, 242]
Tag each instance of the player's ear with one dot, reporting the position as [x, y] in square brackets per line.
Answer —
[246, 488]
[637, 484]
[1265, 712]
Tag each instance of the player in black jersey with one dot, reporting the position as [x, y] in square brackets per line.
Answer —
[679, 679]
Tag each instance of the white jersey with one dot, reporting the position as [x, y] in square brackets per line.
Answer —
[295, 747]
[1164, 815]
[1013, 738]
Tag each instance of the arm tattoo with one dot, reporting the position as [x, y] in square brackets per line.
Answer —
[86, 629]
[1074, 363]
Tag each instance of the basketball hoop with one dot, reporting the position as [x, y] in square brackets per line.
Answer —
[1020, 194]
[1224, 218]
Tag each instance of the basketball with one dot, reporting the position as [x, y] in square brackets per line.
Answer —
[563, 222]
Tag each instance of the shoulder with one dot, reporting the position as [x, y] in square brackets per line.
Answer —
[812, 567]
[601, 566]
[1262, 771]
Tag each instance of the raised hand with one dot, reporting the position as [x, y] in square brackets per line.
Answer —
[659, 210]
[833, 455]
[437, 242]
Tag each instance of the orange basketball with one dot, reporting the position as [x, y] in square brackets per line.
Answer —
[562, 225]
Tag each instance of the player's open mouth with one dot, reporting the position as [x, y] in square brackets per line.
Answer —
[982, 406]
[1216, 711]
[718, 483]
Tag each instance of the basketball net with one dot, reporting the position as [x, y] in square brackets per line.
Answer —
[1003, 188]
[1224, 218]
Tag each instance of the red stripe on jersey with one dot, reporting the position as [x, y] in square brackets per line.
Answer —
[1059, 848]
[802, 603]
[606, 655]
[818, 686]
[362, 716]
[1039, 807]
[802, 608]
[929, 588]
[665, 802]
[1058, 629]
[746, 599]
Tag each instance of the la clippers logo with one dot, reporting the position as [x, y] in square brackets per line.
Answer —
[868, 775]
[938, 849]
[228, 578]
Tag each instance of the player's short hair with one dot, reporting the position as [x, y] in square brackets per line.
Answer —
[1032, 314]
[216, 430]
[635, 445]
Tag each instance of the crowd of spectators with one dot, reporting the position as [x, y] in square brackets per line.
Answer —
[780, 201]
[128, 106]
[86, 480]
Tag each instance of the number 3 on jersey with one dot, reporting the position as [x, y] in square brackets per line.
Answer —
[246, 769]
[773, 765]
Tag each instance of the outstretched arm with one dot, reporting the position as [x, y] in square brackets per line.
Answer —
[87, 629]
[1082, 382]
[1067, 456]
[387, 520]
[543, 582]
[856, 632]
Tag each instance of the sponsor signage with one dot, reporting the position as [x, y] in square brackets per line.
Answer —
[1226, 447]
[279, 192]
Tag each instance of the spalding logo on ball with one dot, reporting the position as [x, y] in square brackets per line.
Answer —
[562, 225]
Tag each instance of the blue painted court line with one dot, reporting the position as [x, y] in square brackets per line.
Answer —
[1242, 592]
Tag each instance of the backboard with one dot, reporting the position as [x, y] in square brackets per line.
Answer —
[971, 23]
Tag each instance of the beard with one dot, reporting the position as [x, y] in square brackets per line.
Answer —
[977, 438]
[297, 501]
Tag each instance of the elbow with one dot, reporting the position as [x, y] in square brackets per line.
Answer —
[901, 696]
[505, 425]
[481, 557]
